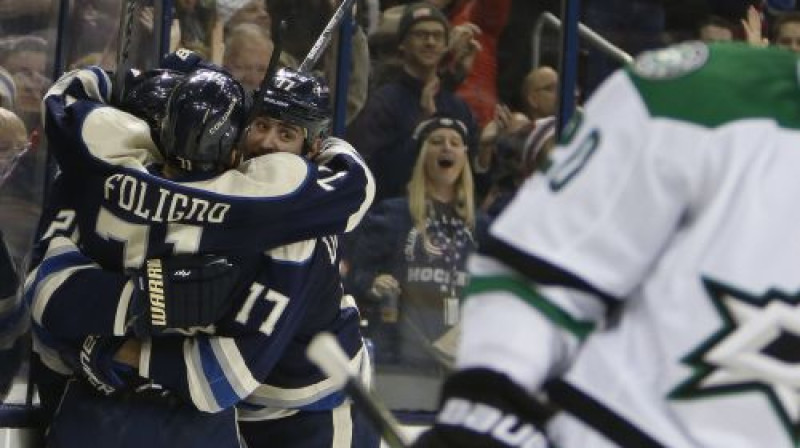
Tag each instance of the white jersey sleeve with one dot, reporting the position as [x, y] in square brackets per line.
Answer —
[612, 199]
[597, 229]
[668, 219]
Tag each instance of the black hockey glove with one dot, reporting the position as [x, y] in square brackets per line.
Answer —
[483, 408]
[181, 294]
[97, 366]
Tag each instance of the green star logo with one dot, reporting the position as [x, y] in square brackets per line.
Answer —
[757, 349]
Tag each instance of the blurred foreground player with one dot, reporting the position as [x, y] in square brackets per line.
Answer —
[648, 282]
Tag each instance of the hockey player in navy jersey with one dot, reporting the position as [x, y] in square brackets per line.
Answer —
[648, 281]
[118, 241]
[262, 341]
[296, 405]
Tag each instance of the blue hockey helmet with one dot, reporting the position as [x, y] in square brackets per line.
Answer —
[146, 95]
[297, 98]
[204, 116]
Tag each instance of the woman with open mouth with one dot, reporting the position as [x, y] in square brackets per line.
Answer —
[409, 263]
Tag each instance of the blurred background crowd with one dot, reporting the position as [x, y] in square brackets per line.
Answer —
[452, 103]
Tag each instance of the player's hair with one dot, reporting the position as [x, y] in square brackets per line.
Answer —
[418, 191]
[297, 98]
[205, 113]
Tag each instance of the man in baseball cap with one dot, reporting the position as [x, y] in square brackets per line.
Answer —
[420, 12]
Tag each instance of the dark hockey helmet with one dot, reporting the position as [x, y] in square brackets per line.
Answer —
[146, 95]
[297, 98]
[205, 114]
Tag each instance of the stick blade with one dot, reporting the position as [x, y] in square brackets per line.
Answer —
[325, 352]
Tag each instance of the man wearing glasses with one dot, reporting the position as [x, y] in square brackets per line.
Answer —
[382, 132]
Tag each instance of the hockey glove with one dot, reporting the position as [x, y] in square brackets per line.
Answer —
[181, 294]
[483, 408]
[97, 366]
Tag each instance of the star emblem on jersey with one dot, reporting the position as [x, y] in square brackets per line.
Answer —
[756, 349]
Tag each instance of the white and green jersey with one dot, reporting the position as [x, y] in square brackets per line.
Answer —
[654, 269]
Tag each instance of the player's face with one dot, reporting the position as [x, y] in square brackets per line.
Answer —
[445, 156]
[267, 135]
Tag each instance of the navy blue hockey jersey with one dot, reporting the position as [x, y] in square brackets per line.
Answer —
[257, 353]
[125, 214]
[119, 214]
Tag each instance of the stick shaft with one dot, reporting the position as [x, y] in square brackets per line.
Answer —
[377, 413]
[275, 57]
[325, 37]
[124, 37]
[325, 351]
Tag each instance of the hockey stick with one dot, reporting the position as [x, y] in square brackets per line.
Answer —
[277, 48]
[316, 50]
[324, 38]
[325, 352]
[124, 37]
[272, 67]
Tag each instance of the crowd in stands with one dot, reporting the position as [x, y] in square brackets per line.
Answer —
[442, 103]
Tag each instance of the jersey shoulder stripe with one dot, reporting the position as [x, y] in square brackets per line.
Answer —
[713, 85]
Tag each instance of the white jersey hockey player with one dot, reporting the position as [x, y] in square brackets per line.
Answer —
[649, 280]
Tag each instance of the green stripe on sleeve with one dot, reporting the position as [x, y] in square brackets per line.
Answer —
[519, 288]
